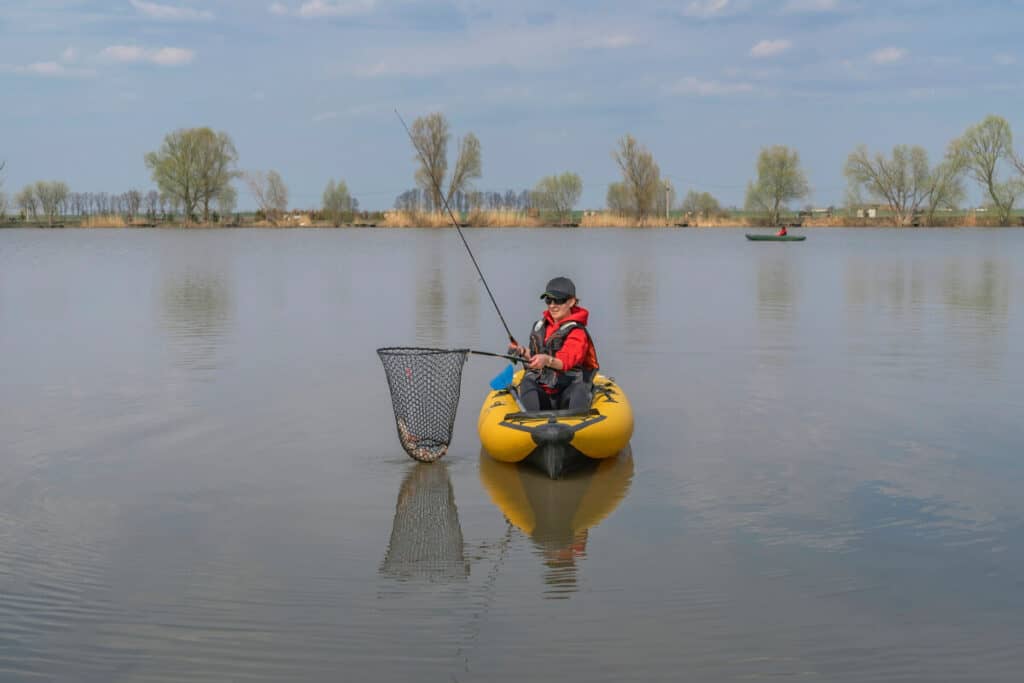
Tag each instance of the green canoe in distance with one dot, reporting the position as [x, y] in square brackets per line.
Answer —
[776, 238]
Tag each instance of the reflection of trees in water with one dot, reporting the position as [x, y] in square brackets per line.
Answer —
[977, 301]
[974, 296]
[558, 514]
[197, 310]
[431, 297]
[888, 285]
[639, 295]
[776, 289]
[426, 538]
[983, 291]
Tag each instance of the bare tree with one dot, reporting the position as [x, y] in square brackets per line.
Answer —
[430, 135]
[641, 177]
[430, 138]
[467, 165]
[132, 201]
[150, 201]
[27, 202]
[902, 182]
[50, 196]
[3, 197]
[946, 186]
[270, 193]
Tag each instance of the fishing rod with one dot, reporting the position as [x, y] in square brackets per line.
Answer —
[497, 355]
[444, 201]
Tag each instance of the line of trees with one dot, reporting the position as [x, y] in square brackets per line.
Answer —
[416, 199]
[3, 196]
[194, 170]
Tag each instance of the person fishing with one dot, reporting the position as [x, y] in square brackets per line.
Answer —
[782, 231]
[561, 355]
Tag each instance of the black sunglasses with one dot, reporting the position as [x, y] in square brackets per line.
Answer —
[552, 300]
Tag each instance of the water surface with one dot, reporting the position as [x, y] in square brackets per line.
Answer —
[201, 479]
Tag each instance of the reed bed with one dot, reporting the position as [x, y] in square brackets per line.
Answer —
[103, 221]
[476, 218]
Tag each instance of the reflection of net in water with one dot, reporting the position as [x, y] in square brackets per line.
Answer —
[425, 385]
[426, 539]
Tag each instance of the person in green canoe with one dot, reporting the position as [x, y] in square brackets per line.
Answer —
[782, 231]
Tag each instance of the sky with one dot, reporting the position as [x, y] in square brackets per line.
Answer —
[310, 88]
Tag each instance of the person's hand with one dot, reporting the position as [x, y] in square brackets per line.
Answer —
[519, 350]
[540, 361]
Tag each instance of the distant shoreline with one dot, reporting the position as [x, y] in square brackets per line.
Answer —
[505, 219]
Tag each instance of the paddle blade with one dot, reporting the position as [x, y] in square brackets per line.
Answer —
[504, 379]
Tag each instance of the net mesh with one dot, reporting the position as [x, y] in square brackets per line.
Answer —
[425, 385]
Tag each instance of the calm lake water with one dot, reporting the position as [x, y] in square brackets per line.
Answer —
[200, 478]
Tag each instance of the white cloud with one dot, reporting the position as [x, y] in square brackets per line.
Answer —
[811, 6]
[888, 55]
[133, 54]
[325, 116]
[612, 42]
[695, 86]
[171, 56]
[278, 8]
[47, 70]
[770, 48]
[1004, 59]
[335, 8]
[171, 13]
[706, 8]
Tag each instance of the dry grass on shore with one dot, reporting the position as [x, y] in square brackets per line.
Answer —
[103, 221]
[477, 218]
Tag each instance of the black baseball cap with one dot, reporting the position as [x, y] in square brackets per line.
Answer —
[559, 288]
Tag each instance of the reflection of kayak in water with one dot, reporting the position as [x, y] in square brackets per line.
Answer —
[553, 513]
[426, 538]
[557, 441]
[557, 515]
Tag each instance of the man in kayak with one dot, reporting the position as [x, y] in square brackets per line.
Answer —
[782, 231]
[562, 358]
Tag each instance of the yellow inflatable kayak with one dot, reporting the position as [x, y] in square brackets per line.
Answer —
[556, 441]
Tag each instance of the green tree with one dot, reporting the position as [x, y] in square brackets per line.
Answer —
[558, 194]
[641, 176]
[985, 149]
[193, 165]
[780, 180]
[337, 202]
[701, 204]
[617, 199]
[430, 136]
[227, 201]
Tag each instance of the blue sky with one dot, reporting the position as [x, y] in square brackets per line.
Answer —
[309, 87]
